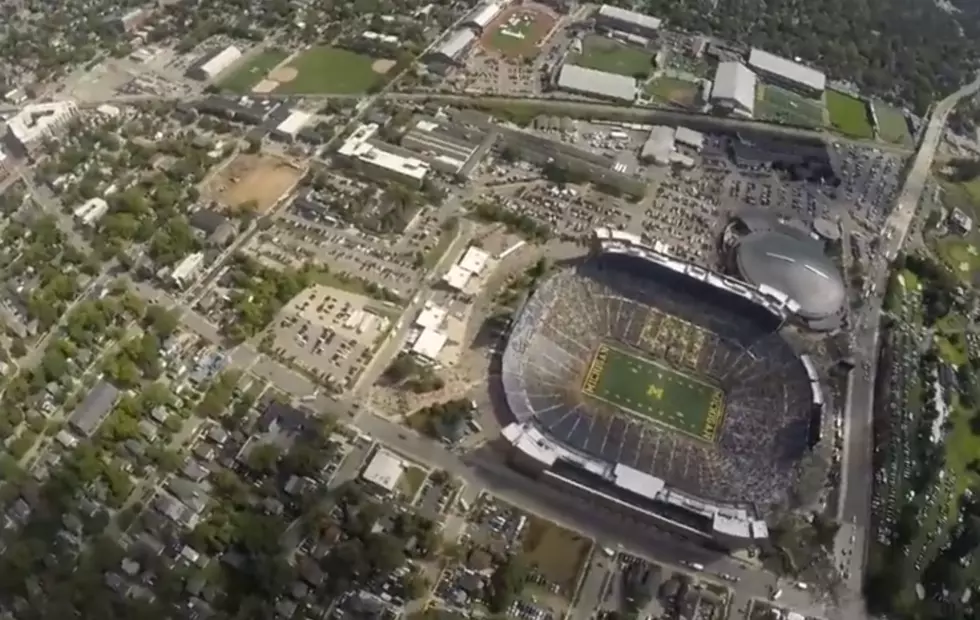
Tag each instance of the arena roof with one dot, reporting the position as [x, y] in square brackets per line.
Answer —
[735, 82]
[456, 44]
[796, 265]
[787, 69]
[484, 14]
[598, 83]
[630, 17]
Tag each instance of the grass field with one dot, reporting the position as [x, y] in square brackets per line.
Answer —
[331, 70]
[674, 90]
[252, 72]
[655, 392]
[784, 106]
[613, 57]
[892, 126]
[962, 257]
[849, 115]
[519, 33]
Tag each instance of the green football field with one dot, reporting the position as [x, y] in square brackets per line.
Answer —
[655, 391]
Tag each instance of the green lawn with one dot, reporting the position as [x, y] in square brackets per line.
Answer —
[411, 481]
[331, 70]
[503, 41]
[892, 126]
[849, 115]
[674, 90]
[655, 391]
[611, 56]
[962, 256]
[784, 106]
[252, 72]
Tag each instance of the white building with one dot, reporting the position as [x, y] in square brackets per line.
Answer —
[429, 344]
[623, 20]
[483, 15]
[384, 470]
[469, 267]
[211, 66]
[451, 51]
[291, 126]
[788, 72]
[376, 158]
[733, 89]
[91, 211]
[595, 83]
[186, 269]
[431, 316]
[36, 121]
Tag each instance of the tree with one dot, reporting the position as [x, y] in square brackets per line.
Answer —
[507, 583]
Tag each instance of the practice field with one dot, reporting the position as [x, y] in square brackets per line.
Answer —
[518, 33]
[655, 391]
[331, 70]
[849, 115]
[243, 79]
[674, 90]
[892, 126]
[611, 56]
[784, 106]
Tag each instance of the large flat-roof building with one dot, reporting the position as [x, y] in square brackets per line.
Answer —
[447, 148]
[211, 65]
[788, 72]
[27, 129]
[594, 83]
[623, 20]
[187, 268]
[376, 158]
[450, 53]
[733, 89]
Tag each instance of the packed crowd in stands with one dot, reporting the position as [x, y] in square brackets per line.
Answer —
[727, 340]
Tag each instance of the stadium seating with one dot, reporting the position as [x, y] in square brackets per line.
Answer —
[661, 313]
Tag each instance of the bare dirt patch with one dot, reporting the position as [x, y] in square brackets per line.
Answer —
[283, 74]
[382, 66]
[265, 86]
[254, 182]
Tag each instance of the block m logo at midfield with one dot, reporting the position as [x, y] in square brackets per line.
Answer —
[655, 391]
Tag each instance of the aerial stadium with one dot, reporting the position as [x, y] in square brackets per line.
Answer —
[661, 388]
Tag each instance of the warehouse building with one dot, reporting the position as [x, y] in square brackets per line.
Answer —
[451, 52]
[614, 18]
[593, 83]
[290, 127]
[483, 15]
[733, 89]
[211, 65]
[447, 148]
[788, 73]
[376, 158]
[27, 129]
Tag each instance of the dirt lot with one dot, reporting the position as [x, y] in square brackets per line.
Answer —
[254, 182]
[559, 554]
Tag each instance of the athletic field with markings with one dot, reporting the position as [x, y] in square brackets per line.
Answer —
[655, 391]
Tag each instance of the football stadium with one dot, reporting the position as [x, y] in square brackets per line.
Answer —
[665, 390]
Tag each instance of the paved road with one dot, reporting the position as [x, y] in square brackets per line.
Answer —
[854, 508]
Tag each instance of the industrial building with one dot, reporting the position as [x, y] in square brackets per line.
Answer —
[788, 73]
[183, 274]
[288, 129]
[450, 149]
[211, 65]
[661, 148]
[91, 211]
[377, 158]
[484, 14]
[451, 52]
[594, 83]
[733, 89]
[31, 125]
[622, 20]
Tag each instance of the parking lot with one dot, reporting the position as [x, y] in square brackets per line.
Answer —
[329, 333]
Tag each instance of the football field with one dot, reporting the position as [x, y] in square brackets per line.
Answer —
[655, 391]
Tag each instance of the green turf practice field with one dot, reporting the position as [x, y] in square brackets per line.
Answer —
[655, 391]
[849, 115]
[673, 90]
[784, 106]
[252, 72]
[892, 125]
[611, 56]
